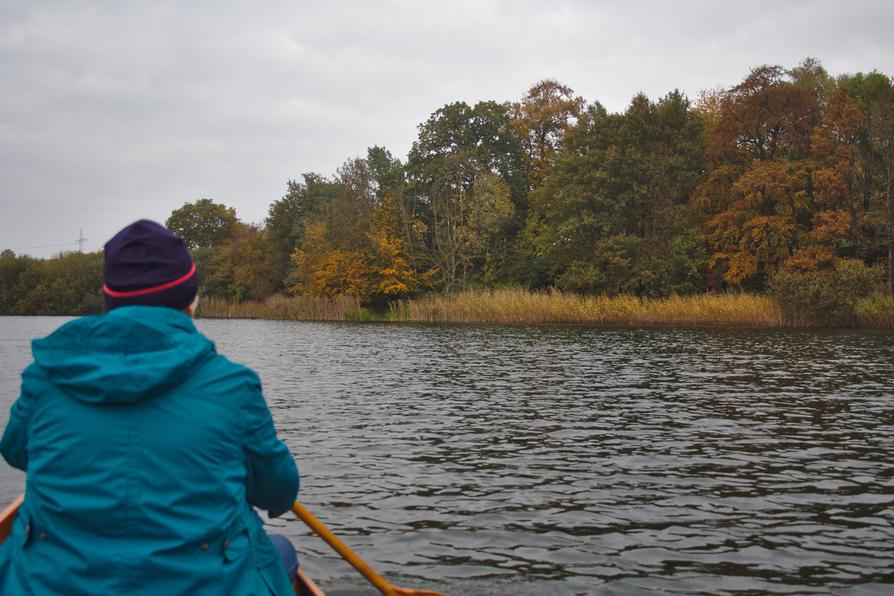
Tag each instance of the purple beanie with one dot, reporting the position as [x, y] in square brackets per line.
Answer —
[146, 264]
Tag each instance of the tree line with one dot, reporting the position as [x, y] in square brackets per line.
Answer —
[782, 182]
[69, 284]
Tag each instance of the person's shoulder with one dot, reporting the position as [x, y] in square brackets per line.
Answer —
[219, 368]
[35, 380]
[221, 379]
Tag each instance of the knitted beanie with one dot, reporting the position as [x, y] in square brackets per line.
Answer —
[146, 264]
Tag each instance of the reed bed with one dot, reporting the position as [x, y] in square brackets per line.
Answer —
[514, 306]
[517, 306]
[286, 308]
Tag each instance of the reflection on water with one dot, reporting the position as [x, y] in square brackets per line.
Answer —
[569, 460]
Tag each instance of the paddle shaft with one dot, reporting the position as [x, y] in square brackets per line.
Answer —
[343, 549]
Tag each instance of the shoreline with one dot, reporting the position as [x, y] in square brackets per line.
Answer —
[523, 307]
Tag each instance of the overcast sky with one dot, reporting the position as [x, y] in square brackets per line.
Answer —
[113, 111]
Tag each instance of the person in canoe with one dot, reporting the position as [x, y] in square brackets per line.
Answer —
[145, 450]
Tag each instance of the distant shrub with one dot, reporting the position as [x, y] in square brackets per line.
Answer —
[624, 264]
[284, 308]
[876, 311]
[828, 296]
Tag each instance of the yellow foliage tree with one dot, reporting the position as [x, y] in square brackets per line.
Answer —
[380, 273]
[396, 275]
[324, 270]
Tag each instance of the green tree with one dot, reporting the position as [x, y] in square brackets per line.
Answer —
[874, 95]
[611, 215]
[456, 147]
[466, 225]
[387, 172]
[829, 295]
[349, 215]
[12, 268]
[203, 224]
[68, 284]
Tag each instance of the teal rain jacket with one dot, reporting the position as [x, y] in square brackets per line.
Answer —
[144, 451]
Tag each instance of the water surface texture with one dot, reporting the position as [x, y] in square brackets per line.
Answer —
[564, 460]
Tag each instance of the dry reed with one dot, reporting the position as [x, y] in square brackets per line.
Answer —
[288, 308]
[517, 306]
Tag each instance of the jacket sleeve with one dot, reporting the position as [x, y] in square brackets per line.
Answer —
[273, 478]
[14, 445]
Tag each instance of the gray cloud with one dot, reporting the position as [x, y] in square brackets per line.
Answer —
[111, 111]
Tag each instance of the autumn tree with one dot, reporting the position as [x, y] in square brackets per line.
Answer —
[356, 245]
[772, 178]
[708, 105]
[324, 269]
[287, 218]
[332, 259]
[243, 267]
[541, 119]
[395, 270]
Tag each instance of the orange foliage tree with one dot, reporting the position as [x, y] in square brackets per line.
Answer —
[783, 187]
[541, 119]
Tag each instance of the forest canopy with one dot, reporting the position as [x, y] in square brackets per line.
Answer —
[785, 178]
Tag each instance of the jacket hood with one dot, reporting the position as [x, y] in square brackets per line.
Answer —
[124, 356]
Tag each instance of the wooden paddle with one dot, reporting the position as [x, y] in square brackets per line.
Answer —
[8, 516]
[351, 557]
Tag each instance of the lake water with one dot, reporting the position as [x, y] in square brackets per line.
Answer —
[567, 460]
